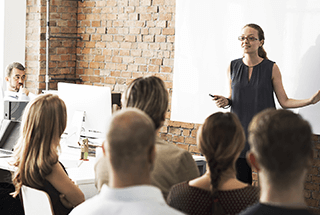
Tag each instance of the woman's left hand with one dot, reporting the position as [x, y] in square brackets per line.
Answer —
[65, 202]
[315, 98]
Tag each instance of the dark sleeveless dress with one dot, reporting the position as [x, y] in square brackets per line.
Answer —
[251, 97]
[58, 207]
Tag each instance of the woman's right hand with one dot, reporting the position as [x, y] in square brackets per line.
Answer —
[315, 98]
[221, 101]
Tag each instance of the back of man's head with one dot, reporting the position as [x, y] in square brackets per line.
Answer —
[14, 65]
[149, 94]
[281, 141]
[130, 139]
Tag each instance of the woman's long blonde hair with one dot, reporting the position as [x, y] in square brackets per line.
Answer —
[36, 151]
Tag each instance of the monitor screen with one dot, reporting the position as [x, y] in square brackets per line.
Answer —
[9, 134]
[13, 110]
[94, 101]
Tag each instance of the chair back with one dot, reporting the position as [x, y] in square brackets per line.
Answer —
[36, 202]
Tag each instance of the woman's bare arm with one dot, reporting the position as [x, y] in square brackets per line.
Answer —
[282, 97]
[60, 180]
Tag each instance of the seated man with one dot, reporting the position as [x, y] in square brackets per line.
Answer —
[15, 77]
[281, 152]
[173, 164]
[130, 151]
[1, 99]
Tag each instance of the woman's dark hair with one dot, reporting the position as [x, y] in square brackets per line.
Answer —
[261, 52]
[220, 140]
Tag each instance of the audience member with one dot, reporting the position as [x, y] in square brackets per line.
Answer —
[130, 150]
[173, 164]
[15, 77]
[1, 99]
[281, 152]
[8, 204]
[36, 154]
[221, 140]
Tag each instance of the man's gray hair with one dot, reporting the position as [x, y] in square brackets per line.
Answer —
[13, 65]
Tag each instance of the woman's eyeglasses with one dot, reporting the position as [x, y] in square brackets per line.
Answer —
[250, 38]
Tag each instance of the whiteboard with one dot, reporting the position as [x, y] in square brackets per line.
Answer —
[206, 42]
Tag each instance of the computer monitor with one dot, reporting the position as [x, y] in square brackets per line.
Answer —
[9, 134]
[13, 110]
[95, 101]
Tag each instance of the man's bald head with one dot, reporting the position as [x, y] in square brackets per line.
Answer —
[130, 138]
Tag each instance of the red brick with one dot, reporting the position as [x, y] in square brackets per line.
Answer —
[152, 68]
[194, 149]
[182, 146]
[190, 140]
[175, 131]
[95, 79]
[110, 80]
[158, 2]
[166, 69]
[165, 16]
[178, 139]
[160, 39]
[312, 202]
[180, 124]
[168, 31]
[311, 186]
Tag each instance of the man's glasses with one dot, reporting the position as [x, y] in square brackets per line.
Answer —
[250, 38]
[17, 77]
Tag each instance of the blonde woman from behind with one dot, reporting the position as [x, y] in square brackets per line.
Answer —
[36, 154]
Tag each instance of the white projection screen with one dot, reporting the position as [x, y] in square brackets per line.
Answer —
[206, 42]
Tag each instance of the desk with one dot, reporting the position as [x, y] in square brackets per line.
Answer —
[81, 172]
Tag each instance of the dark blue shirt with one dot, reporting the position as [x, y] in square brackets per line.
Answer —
[263, 209]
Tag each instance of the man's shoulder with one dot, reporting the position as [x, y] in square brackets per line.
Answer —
[10, 96]
[95, 205]
[101, 204]
[16, 96]
[264, 209]
[254, 209]
[177, 158]
[165, 147]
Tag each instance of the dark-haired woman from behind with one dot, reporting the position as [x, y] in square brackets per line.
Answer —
[220, 139]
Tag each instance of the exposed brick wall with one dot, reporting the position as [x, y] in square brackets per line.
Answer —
[62, 52]
[312, 184]
[33, 45]
[122, 40]
[63, 22]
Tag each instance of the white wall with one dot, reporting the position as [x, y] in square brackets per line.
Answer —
[206, 42]
[12, 37]
[1, 45]
[12, 32]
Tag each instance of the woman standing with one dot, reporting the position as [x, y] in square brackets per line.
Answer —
[36, 154]
[220, 140]
[253, 79]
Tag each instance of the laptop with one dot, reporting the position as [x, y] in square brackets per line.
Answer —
[9, 135]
